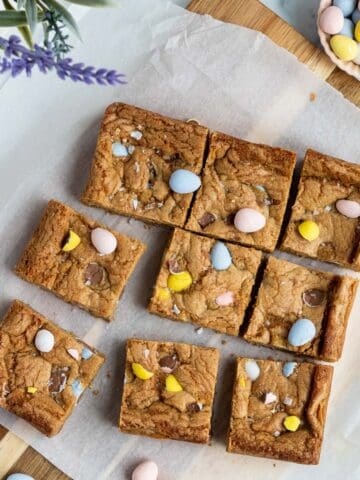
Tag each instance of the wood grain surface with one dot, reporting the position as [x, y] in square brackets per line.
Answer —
[15, 455]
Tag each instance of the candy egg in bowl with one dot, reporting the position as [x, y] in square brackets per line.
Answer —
[339, 32]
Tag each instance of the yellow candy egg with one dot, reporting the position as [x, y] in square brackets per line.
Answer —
[292, 423]
[357, 31]
[309, 230]
[141, 372]
[72, 241]
[177, 282]
[163, 294]
[172, 385]
[31, 390]
[344, 47]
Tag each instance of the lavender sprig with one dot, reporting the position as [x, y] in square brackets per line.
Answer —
[18, 59]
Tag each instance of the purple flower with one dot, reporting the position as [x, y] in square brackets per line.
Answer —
[18, 59]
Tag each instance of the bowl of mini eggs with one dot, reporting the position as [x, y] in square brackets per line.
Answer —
[339, 32]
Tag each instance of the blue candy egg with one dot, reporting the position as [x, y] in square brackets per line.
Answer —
[184, 181]
[220, 256]
[19, 476]
[86, 353]
[346, 6]
[77, 388]
[302, 331]
[288, 368]
[348, 28]
[119, 150]
[355, 17]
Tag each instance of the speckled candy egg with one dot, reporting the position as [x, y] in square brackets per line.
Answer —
[248, 220]
[145, 471]
[19, 476]
[103, 240]
[184, 181]
[301, 332]
[346, 6]
[44, 341]
[220, 256]
[331, 20]
[348, 208]
[348, 28]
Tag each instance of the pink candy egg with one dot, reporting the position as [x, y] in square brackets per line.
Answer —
[225, 299]
[145, 471]
[103, 240]
[348, 208]
[248, 220]
[331, 20]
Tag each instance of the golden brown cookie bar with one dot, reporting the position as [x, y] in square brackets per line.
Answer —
[169, 390]
[239, 175]
[136, 153]
[218, 279]
[325, 180]
[43, 368]
[279, 409]
[291, 293]
[82, 276]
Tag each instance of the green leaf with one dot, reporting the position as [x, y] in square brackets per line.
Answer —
[96, 3]
[31, 14]
[12, 19]
[20, 4]
[26, 34]
[67, 18]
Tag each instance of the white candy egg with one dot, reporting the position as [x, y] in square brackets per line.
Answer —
[146, 471]
[348, 208]
[103, 240]
[248, 220]
[44, 341]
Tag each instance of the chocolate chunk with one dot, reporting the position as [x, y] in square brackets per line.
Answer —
[175, 157]
[206, 219]
[174, 266]
[94, 274]
[313, 297]
[168, 363]
[271, 201]
[229, 220]
[58, 379]
[158, 151]
[193, 407]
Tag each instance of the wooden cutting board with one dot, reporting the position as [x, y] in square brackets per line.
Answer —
[15, 455]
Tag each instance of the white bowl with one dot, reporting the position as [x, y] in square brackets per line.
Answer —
[349, 67]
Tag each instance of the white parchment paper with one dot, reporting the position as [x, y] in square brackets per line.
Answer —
[183, 65]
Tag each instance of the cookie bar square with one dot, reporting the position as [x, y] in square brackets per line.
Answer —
[302, 310]
[43, 368]
[205, 281]
[328, 200]
[244, 184]
[279, 409]
[136, 153]
[62, 257]
[169, 390]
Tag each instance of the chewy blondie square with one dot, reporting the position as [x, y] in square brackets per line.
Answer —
[211, 297]
[241, 175]
[290, 293]
[324, 182]
[169, 390]
[279, 409]
[61, 257]
[136, 153]
[41, 380]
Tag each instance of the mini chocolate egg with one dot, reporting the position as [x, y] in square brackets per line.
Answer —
[252, 370]
[220, 256]
[145, 471]
[331, 20]
[225, 299]
[348, 208]
[288, 368]
[348, 28]
[103, 240]
[248, 220]
[344, 48]
[44, 341]
[184, 181]
[355, 17]
[346, 6]
[357, 31]
[301, 332]
[19, 476]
